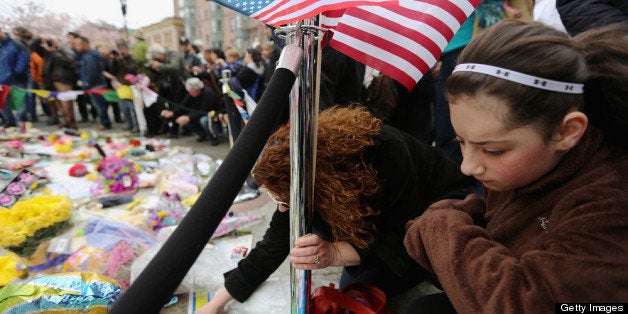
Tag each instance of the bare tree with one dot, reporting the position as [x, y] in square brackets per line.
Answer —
[37, 19]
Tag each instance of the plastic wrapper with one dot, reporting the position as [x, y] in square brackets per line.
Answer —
[107, 248]
[207, 271]
[84, 292]
[32, 220]
[106, 234]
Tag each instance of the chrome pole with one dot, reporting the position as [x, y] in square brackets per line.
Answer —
[303, 125]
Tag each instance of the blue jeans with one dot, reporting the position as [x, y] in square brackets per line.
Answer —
[29, 103]
[445, 134]
[101, 108]
[216, 126]
[128, 110]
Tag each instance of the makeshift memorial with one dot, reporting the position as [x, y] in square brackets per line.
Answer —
[32, 220]
[81, 292]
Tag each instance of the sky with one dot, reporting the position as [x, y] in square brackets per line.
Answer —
[140, 13]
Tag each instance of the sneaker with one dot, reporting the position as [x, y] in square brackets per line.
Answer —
[201, 139]
[173, 136]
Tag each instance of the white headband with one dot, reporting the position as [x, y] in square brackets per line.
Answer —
[521, 78]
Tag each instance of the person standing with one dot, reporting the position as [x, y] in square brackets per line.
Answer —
[140, 51]
[121, 63]
[25, 36]
[59, 75]
[91, 77]
[37, 81]
[14, 67]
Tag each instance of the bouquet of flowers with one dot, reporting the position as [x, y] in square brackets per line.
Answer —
[29, 221]
[120, 176]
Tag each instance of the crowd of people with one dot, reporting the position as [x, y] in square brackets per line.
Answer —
[187, 80]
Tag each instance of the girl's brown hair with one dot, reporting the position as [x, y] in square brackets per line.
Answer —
[343, 176]
[538, 50]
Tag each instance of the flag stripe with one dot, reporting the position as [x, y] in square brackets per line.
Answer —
[448, 8]
[377, 62]
[406, 27]
[402, 41]
[286, 11]
[428, 19]
[408, 47]
[293, 13]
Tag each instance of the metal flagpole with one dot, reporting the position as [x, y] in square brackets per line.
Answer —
[304, 100]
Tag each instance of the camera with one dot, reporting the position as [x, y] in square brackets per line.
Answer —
[49, 43]
[115, 52]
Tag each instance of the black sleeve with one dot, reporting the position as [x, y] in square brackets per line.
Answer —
[181, 108]
[206, 104]
[580, 15]
[413, 176]
[262, 261]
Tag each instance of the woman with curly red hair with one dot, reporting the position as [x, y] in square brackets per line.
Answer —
[370, 179]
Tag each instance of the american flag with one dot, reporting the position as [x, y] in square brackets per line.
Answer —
[402, 41]
[280, 12]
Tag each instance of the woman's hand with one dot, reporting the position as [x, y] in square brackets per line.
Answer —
[312, 252]
[217, 303]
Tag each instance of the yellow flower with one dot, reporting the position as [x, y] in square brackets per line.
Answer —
[29, 215]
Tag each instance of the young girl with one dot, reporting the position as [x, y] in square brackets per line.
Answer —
[540, 118]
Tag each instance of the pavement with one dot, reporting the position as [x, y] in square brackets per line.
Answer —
[264, 207]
